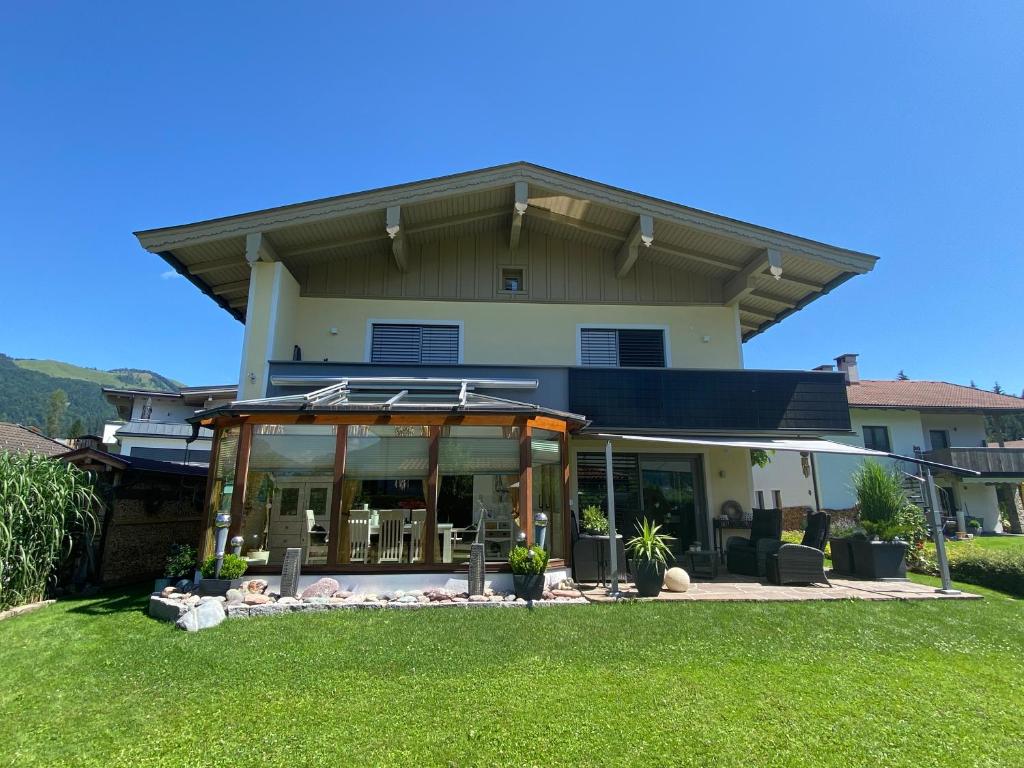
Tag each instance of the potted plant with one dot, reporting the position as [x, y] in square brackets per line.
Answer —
[231, 571]
[885, 516]
[974, 526]
[594, 521]
[528, 565]
[180, 564]
[650, 554]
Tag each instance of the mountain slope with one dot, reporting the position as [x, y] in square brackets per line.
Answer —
[25, 391]
[117, 377]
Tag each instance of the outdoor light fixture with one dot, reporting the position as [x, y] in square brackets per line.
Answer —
[775, 263]
[221, 523]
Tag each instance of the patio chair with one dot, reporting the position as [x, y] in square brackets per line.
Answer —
[359, 537]
[390, 541]
[749, 556]
[417, 530]
[802, 563]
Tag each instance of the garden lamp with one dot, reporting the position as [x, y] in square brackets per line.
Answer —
[221, 523]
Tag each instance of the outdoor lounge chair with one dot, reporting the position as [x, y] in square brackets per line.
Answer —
[802, 563]
[749, 556]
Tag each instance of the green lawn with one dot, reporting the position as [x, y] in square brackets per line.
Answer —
[95, 682]
[990, 543]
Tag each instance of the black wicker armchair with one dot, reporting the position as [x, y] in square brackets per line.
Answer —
[749, 556]
[802, 563]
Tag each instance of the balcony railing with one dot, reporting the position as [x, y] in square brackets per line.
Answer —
[991, 462]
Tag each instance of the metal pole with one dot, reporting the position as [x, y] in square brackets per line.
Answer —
[613, 559]
[940, 539]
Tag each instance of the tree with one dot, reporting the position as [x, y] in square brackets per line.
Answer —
[55, 412]
[973, 385]
[77, 428]
[901, 376]
[997, 389]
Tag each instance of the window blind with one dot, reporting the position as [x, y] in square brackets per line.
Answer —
[409, 343]
[622, 347]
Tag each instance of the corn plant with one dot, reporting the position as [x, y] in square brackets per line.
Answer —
[45, 506]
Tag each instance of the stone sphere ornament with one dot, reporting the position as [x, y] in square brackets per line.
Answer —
[677, 580]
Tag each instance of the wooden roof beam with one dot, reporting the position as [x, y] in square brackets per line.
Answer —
[215, 265]
[774, 299]
[394, 230]
[756, 313]
[641, 234]
[746, 280]
[259, 248]
[518, 210]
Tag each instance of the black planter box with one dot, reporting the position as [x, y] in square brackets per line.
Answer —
[842, 555]
[528, 586]
[879, 560]
[648, 577]
[217, 587]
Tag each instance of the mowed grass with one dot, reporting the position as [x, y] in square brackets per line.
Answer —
[96, 683]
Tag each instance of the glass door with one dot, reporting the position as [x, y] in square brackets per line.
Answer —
[670, 497]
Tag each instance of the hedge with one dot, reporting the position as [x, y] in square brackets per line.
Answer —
[1002, 571]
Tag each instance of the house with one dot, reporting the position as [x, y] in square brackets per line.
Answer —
[20, 439]
[154, 425]
[934, 420]
[440, 362]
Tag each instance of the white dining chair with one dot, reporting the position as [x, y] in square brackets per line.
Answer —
[417, 530]
[359, 536]
[391, 537]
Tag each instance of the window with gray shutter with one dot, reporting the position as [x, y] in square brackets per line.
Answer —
[623, 347]
[408, 343]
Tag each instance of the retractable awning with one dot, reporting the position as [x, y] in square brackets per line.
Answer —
[801, 445]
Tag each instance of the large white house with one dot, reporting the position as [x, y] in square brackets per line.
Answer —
[935, 420]
[444, 360]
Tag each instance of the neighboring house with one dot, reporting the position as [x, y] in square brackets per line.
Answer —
[20, 439]
[154, 425]
[935, 420]
[439, 361]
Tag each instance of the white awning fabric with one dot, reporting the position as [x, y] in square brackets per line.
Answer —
[803, 445]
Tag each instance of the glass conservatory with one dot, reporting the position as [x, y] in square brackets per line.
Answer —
[389, 476]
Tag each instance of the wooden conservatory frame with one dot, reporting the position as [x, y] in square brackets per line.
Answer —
[229, 416]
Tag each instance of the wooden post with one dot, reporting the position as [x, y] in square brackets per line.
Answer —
[241, 477]
[337, 533]
[563, 450]
[206, 535]
[433, 452]
[526, 482]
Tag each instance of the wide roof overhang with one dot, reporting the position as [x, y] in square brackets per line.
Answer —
[215, 255]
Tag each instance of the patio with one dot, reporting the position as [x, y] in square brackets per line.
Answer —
[730, 587]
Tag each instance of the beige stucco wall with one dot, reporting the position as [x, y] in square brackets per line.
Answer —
[269, 325]
[520, 333]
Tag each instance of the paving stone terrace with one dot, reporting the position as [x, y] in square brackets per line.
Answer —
[732, 587]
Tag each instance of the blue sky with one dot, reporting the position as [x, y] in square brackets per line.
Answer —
[892, 128]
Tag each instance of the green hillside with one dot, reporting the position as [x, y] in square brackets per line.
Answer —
[26, 387]
[118, 377]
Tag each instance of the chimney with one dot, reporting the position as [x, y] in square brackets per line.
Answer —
[848, 364]
[825, 368]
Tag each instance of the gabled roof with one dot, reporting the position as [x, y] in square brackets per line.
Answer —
[19, 439]
[928, 395]
[116, 461]
[212, 253]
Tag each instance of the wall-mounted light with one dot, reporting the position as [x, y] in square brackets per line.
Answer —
[333, 331]
[705, 339]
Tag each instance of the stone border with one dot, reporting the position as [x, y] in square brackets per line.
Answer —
[167, 609]
[18, 610]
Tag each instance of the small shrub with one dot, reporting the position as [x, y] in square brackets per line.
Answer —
[594, 520]
[233, 567]
[999, 570]
[528, 560]
[792, 537]
[181, 561]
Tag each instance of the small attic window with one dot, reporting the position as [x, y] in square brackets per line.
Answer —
[513, 280]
